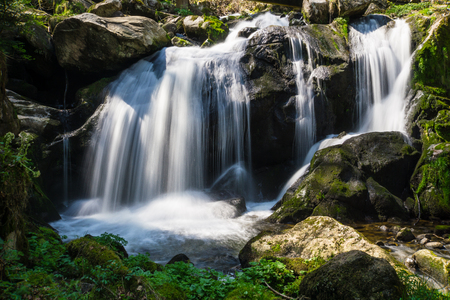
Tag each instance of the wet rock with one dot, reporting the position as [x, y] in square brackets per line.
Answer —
[342, 178]
[179, 42]
[179, 257]
[383, 228]
[395, 229]
[247, 31]
[89, 43]
[316, 11]
[106, 8]
[316, 236]
[433, 265]
[410, 263]
[434, 245]
[423, 241]
[380, 243]
[423, 236]
[353, 275]
[405, 235]
[347, 8]
[202, 28]
[296, 18]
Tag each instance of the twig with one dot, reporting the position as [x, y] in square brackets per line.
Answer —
[284, 296]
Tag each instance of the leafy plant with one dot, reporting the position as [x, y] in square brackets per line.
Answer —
[183, 11]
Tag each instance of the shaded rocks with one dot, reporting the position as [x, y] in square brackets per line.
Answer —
[203, 28]
[353, 275]
[316, 236]
[316, 11]
[360, 178]
[106, 9]
[89, 43]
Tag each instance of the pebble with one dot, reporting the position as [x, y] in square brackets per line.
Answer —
[424, 241]
[434, 245]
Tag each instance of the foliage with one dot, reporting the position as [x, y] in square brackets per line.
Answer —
[406, 9]
[183, 12]
[437, 173]
[110, 240]
[215, 28]
[416, 288]
[16, 179]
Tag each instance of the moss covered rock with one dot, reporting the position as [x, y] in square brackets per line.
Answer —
[314, 237]
[89, 253]
[363, 177]
[432, 60]
[206, 27]
[433, 265]
[353, 275]
[89, 43]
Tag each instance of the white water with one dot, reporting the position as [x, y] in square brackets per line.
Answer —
[383, 64]
[153, 154]
[157, 148]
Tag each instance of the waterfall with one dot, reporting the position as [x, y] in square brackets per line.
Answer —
[305, 125]
[382, 55]
[174, 122]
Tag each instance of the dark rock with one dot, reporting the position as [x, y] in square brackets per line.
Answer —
[353, 275]
[89, 43]
[180, 257]
[405, 235]
[247, 31]
[22, 87]
[341, 182]
[316, 11]
[441, 229]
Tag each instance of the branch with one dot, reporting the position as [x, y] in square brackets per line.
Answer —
[284, 296]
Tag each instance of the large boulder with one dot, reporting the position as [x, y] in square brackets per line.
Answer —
[316, 11]
[270, 81]
[353, 275]
[89, 43]
[355, 8]
[314, 237]
[363, 177]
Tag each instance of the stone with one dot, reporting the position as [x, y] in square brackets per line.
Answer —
[179, 42]
[355, 8]
[89, 43]
[434, 245]
[316, 11]
[316, 236]
[247, 31]
[433, 265]
[343, 178]
[423, 241]
[180, 257]
[106, 8]
[353, 275]
[405, 235]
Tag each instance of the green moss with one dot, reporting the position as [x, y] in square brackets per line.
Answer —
[170, 292]
[432, 61]
[250, 291]
[405, 9]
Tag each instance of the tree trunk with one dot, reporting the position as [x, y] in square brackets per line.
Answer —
[183, 4]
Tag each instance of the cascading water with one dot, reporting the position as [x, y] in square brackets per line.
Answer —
[175, 124]
[382, 55]
[305, 125]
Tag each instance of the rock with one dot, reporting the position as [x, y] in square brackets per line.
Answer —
[423, 241]
[95, 254]
[373, 9]
[347, 8]
[351, 181]
[316, 236]
[316, 11]
[202, 28]
[270, 81]
[434, 245]
[410, 263]
[435, 266]
[380, 243]
[106, 8]
[179, 42]
[424, 236]
[89, 43]
[434, 75]
[383, 228]
[405, 235]
[296, 18]
[39, 38]
[180, 257]
[247, 31]
[353, 275]
[35, 118]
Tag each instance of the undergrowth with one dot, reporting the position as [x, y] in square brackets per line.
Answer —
[406, 9]
[51, 273]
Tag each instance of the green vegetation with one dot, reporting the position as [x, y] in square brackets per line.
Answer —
[16, 180]
[52, 272]
[216, 29]
[406, 9]
[437, 174]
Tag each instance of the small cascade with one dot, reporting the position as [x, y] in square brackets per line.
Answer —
[382, 58]
[66, 147]
[305, 125]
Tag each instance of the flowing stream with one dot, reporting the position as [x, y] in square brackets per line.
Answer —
[177, 123]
